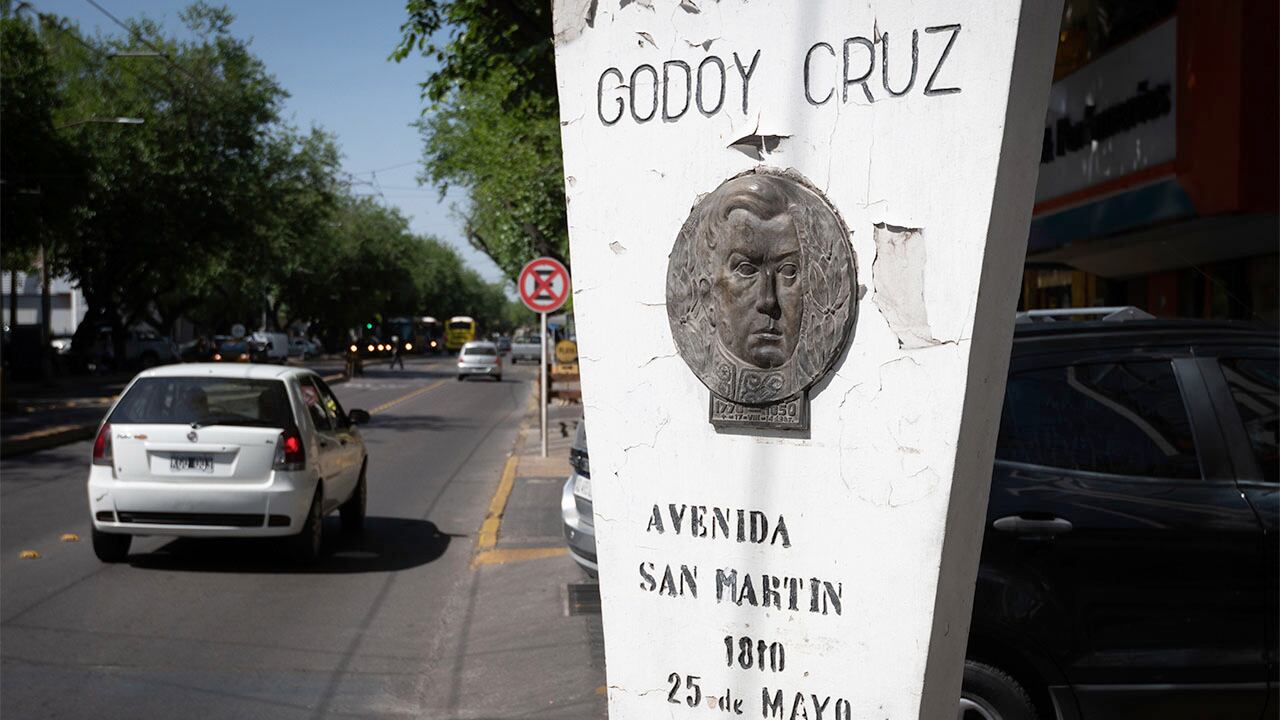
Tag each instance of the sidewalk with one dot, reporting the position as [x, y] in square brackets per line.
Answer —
[36, 416]
[532, 618]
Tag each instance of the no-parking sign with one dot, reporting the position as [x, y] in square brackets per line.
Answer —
[544, 285]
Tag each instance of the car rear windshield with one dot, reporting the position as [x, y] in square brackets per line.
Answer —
[205, 401]
[480, 350]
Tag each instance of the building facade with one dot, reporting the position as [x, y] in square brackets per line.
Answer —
[1158, 176]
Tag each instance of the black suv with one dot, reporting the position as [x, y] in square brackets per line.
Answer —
[1129, 562]
[1130, 559]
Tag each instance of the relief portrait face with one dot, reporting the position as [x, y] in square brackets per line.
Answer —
[757, 293]
[760, 294]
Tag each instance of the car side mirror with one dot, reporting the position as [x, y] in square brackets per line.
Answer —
[358, 417]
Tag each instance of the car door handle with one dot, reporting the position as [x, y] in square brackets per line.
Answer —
[1033, 527]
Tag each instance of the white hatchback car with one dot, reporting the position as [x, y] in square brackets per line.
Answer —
[218, 450]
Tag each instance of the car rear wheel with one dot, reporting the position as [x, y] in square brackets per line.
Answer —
[353, 510]
[111, 547]
[306, 544]
[498, 377]
[989, 693]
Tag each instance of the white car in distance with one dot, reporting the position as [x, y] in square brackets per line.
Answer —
[479, 357]
[217, 450]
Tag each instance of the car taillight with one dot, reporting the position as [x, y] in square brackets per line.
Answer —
[102, 446]
[290, 454]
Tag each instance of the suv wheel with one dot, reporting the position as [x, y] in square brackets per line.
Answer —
[989, 693]
[353, 510]
[111, 547]
[306, 544]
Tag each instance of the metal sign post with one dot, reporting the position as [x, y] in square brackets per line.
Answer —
[544, 287]
[542, 394]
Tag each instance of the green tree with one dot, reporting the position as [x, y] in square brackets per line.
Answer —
[41, 174]
[491, 125]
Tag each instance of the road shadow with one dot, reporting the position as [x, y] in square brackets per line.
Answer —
[414, 423]
[386, 544]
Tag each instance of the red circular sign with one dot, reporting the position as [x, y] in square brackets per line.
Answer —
[543, 285]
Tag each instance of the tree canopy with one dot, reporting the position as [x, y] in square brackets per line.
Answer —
[212, 208]
[491, 123]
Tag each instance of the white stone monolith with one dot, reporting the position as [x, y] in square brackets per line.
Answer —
[797, 232]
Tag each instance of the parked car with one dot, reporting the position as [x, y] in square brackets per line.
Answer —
[575, 505]
[272, 346]
[479, 357]
[303, 348]
[1129, 563]
[207, 450]
[525, 347]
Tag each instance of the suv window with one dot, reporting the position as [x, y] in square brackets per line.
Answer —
[1123, 418]
[1254, 388]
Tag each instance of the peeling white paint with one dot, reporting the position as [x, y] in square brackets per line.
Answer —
[899, 271]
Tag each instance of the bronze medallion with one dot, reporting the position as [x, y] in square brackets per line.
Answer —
[761, 296]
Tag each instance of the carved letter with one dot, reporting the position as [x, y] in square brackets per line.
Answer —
[600, 97]
[884, 63]
[807, 95]
[929, 89]
[666, 87]
[654, 111]
[746, 75]
[861, 79]
[720, 102]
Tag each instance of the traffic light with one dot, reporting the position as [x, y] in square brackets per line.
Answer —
[368, 326]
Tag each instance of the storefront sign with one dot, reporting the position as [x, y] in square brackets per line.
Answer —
[1112, 117]
[797, 231]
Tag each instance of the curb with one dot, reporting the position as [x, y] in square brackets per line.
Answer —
[66, 434]
[45, 439]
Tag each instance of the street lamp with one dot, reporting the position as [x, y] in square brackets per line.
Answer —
[103, 121]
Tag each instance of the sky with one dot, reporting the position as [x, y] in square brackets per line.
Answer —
[332, 58]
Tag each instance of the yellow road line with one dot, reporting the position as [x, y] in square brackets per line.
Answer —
[406, 398]
[497, 506]
[510, 555]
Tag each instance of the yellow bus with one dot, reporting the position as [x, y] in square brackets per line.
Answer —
[460, 331]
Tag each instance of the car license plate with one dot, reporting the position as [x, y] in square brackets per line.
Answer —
[582, 487]
[201, 463]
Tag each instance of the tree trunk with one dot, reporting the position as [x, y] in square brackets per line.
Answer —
[13, 298]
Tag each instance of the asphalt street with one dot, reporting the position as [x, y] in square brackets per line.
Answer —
[235, 629]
